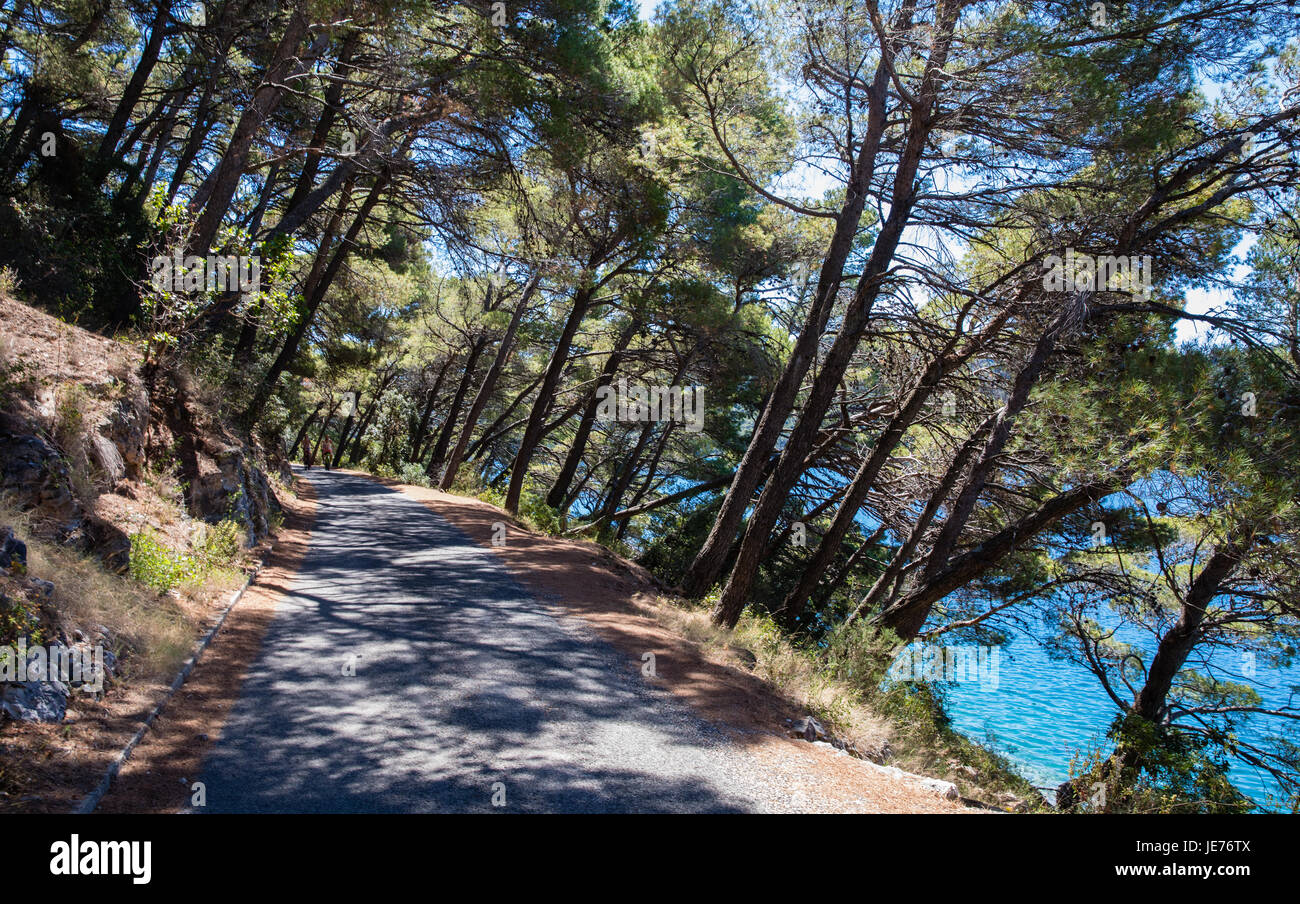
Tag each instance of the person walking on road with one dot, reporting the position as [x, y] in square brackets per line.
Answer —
[326, 452]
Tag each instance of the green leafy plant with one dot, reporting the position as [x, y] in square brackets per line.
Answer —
[160, 568]
[220, 543]
[18, 618]
[413, 473]
[540, 516]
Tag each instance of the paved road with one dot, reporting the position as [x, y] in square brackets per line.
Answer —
[462, 680]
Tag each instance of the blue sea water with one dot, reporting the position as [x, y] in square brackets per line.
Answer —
[1043, 710]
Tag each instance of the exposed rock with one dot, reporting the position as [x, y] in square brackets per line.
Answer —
[54, 671]
[1013, 803]
[127, 426]
[91, 533]
[65, 463]
[36, 474]
[965, 769]
[72, 533]
[218, 470]
[34, 701]
[946, 790]
[110, 542]
[12, 550]
[107, 457]
[226, 485]
[809, 729]
[89, 679]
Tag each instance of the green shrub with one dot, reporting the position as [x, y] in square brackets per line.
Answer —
[158, 567]
[1154, 769]
[540, 516]
[857, 654]
[492, 496]
[221, 543]
[413, 473]
[19, 617]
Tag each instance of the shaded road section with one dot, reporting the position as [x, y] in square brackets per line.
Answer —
[407, 671]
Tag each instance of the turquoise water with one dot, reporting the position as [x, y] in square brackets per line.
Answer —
[1044, 709]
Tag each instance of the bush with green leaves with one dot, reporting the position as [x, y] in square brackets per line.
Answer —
[1156, 769]
[19, 617]
[160, 568]
[220, 543]
[413, 473]
[492, 496]
[540, 516]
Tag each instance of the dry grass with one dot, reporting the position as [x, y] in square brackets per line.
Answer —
[9, 284]
[152, 634]
[70, 433]
[796, 673]
[863, 712]
[16, 376]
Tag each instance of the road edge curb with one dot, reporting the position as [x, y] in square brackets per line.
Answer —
[91, 800]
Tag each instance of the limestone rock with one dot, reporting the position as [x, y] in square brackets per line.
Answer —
[127, 428]
[809, 729]
[946, 790]
[35, 701]
[35, 472]
[107, 457]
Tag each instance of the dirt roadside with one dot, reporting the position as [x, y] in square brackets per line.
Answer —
[158, 776]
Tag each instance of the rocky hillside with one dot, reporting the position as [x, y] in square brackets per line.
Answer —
[95, 456]
[128, 514]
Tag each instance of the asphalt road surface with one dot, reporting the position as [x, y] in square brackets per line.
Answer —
[407, 671]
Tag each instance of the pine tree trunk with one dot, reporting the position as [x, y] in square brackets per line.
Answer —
[452, 419]
[213, 198]
[555, 498]
[416, 450]
[533, 430]
[134, 88]
[487, 387]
